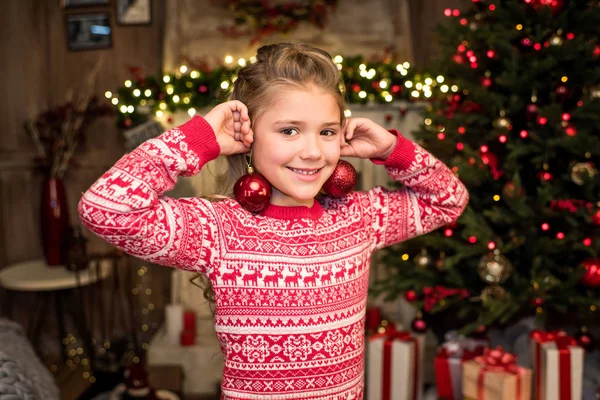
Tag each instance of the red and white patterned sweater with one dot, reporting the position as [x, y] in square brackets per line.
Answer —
[290, 283]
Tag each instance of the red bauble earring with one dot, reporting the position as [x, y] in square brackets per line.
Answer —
[252, 190]
[342, 180]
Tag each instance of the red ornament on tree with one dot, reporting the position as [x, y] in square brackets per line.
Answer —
[536, 302]
[584, 339]
[342, 181]
[596, 218]
[591, 277]
[252, 191]
[531, 111]
[411, 296]
[419, 325]
[562, 92]
[555, 5]
[481, 331]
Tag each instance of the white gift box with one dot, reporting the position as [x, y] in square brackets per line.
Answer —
[551, 381]
[402, 373]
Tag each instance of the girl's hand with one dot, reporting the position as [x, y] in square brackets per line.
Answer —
[231, 124]
[366, 139]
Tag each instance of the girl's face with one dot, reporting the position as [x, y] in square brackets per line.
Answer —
[297, 142]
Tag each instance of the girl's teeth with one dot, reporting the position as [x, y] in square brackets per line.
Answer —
[304, 172]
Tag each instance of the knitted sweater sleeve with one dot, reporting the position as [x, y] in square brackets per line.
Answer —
[430, 197]
[126, 206]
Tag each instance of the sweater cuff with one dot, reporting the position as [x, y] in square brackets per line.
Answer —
[402, 155]
[201, 138]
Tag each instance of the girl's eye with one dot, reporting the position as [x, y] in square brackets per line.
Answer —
[289, 131]
[328, 132]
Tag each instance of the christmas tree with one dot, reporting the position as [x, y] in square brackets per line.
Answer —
[520, 126]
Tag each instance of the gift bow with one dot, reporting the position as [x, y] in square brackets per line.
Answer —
[563, 342]
[387, 361]
[497, 360]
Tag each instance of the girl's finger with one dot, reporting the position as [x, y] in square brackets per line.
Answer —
[237, 126]
[350, 127]
[245, 127]
[249, 137]
[239, 107]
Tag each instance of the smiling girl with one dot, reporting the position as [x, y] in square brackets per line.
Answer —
[290, 281]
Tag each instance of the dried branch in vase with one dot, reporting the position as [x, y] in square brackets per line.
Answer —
[58, 132]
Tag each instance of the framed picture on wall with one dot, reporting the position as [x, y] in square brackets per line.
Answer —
[88, 31]
[134, 12]
[83, 3]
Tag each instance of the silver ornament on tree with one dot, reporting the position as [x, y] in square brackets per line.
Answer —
[423, 260]
[494, 268]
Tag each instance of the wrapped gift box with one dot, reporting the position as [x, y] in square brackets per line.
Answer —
[448, 364]
[395, 366]
[558, 366]
[496, 376]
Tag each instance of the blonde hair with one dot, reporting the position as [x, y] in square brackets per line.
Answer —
[277, 66]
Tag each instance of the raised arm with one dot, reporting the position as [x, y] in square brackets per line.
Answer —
[431, 195]
[126, 206]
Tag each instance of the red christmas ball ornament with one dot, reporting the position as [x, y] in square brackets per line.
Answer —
[342, 181]
[584, 339]
[486, 82]
[252, 191]
[536, 302]
[411, 296]
[597, 51]
[510, 190]
[419, 325]
[458, 59]
[591, 277]
[481, 330]
[562, 92]
[596, 218]
[530, 111]
[127, 122]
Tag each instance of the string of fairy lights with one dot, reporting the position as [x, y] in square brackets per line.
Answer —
[193, 87]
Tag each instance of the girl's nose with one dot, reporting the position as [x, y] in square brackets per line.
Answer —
[311, 148]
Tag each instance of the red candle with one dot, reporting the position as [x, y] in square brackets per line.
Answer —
[189, 321]
[188, 338]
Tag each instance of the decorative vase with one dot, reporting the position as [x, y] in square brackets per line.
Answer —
[54, 220]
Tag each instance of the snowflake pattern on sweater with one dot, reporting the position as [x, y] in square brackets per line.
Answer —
[290, 284]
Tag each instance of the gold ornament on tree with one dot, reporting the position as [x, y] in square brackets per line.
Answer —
[494, 268]
[423, 260]
[491, 293]
[582, 171]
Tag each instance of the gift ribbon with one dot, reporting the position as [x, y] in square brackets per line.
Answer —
[543, 337]
[462, 349]
[497, 360]
[387, 362]
[564, 365]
